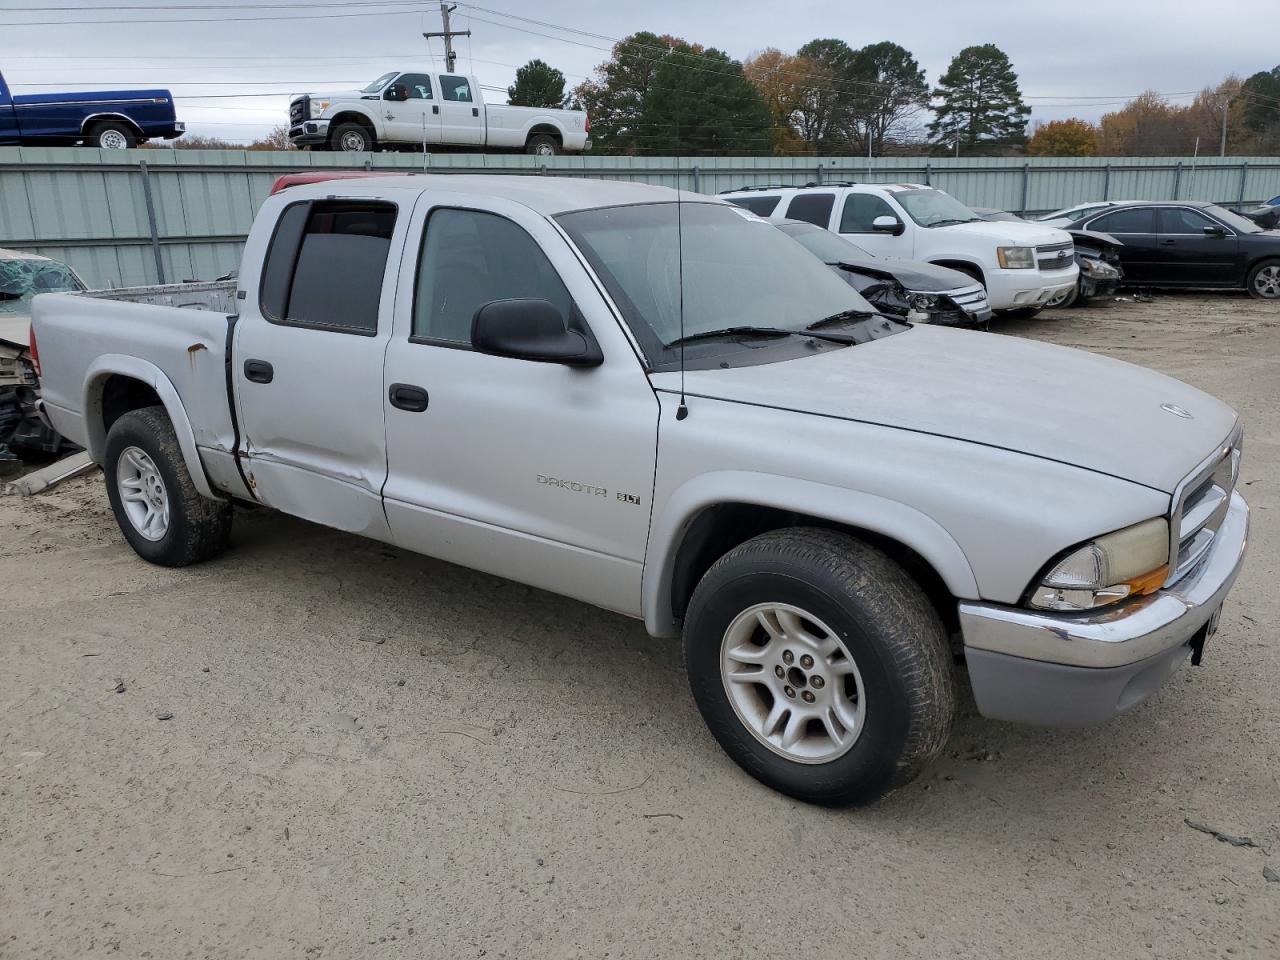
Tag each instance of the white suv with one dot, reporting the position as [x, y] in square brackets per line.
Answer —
[1022, 265]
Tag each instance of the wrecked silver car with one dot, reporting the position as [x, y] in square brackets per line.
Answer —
[22, 277]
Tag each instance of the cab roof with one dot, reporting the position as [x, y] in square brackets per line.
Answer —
[546, 195]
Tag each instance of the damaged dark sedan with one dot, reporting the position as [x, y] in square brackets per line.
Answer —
[1098, 257]
[911, 289]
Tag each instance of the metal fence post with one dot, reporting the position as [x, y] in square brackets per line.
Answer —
[1026, 175]
[1106, 182]
[1177, 179]
[1244, 175]
[697, 183]
[819, 169]
[928, 174]
[151, 220]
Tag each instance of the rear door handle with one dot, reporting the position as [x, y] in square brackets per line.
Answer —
[435, 108]
[405, 396]
[1167, 243]
[259, 371]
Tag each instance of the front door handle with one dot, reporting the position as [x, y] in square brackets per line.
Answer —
[259, 371]
[475, 111]
[1167, 243]
[405, 396]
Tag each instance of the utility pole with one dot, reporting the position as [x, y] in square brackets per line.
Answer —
[1226, 109]
[450, 57]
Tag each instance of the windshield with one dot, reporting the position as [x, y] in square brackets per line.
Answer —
[933, 208]
[824, 244]
[1233, 220]
[20, 280]
[381, 82]
[738, 271]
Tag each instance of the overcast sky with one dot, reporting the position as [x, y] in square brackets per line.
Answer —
[1073, 59]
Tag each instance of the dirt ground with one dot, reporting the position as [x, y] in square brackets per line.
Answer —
[374, 754]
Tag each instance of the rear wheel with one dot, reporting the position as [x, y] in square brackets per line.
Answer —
[112, 136]
[1264, 280]
[542, 145]
[819, 665]
[154, 500]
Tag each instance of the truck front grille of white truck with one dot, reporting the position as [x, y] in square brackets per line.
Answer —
[1056, 256]
[1199, 506]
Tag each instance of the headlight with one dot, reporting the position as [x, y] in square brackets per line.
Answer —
[1096, 268]
[924, 302]
[318, 107]
[1016, 258]
[1128, 563]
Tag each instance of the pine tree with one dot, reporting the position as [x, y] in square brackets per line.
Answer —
[538, 84]
[979, 100]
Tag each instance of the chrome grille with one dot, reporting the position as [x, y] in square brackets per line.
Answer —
[298, 110]
[970, 299]
[1200, 504]
[1056, 256]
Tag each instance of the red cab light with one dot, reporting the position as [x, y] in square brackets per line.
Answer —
[33, 353]
[287, 180]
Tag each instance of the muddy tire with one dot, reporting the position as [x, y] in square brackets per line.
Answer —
[820, 666]
[155, 503]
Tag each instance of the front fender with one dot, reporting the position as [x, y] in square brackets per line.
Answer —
[113, 364]
[836, 504]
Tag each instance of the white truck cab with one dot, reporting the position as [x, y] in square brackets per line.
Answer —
[423, 110]
[1022, 265]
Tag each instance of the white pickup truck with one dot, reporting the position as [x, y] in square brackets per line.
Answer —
[678, 413]
[1022, 265]
[417, 110]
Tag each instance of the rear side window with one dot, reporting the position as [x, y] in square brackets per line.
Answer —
[455, 88]
[813, 208]
[1139, 220]
[326, 265]
[860, 211]
[470, 258]
[760, 206]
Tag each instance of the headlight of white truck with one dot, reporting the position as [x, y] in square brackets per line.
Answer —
[318, 107]
[1128, 563]
[1016, 258]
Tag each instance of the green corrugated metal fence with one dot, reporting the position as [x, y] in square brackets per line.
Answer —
[141, 216]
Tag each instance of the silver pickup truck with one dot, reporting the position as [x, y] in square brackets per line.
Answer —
[678, 413]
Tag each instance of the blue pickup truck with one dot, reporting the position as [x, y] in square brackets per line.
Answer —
[112, 119]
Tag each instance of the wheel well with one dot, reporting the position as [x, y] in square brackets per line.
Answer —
[544, 128]
[720, 528]
[93, 122]
[121, 394]
[964, 266]
[352, 116]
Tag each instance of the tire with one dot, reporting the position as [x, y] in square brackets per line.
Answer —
[351, 138]
[1067, 298]
[142, 450]
[857, 608]
[543, 145]
[1021, 313]
[1264, 280]
[112, 136]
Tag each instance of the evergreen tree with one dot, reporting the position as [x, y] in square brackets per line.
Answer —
[703, 104]
[538, 84]
[978, 100]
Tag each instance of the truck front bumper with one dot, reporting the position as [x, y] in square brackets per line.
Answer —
[1020, 289]
[309, 133]
[1078, 670]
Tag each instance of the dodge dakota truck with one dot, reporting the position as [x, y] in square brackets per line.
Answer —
[403, 110]
[653, 404]
[112, 120]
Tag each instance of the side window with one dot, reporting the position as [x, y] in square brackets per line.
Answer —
[760, 206]
[326, 264]
[418, 85]
[455, 88]
[812, 208]
[1138, 220]
[860, 211]
[1182, 220]
[470, 258]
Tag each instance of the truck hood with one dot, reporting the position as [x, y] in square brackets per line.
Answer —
[1010, 233]
[1035, 398]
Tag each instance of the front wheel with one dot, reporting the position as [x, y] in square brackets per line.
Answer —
[1264, 280]
[819, 666]
[1066, 298]
[155, 503]
[351, 138]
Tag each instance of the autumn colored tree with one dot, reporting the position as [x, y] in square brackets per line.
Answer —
[1064, 138]
[1145, 126]
[780, 79]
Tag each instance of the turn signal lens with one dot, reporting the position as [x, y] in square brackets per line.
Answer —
[1128, 563]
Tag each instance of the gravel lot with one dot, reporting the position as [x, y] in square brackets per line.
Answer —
[376, 754]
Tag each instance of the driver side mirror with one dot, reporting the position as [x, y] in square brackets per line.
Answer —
[1215, 231]
[397, 92]
[531, 330]
[890, 225]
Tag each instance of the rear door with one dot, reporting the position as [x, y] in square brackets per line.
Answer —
[461, 120]
[1193, 257]
[857, 216]
[307, 362]
[417, 118]
[1141, 255]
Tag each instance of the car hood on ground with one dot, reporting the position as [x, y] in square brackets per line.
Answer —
[1047, 401]
[1008, 233]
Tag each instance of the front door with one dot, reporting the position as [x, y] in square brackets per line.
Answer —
[858, 214]
[307, 362]
[1191, 256]
[1140, 254]
[537, 472]
[460, 111]
[412, 114]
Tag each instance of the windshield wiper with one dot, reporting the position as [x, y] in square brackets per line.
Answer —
[846, 339]
[846, 315]
[952, 220]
